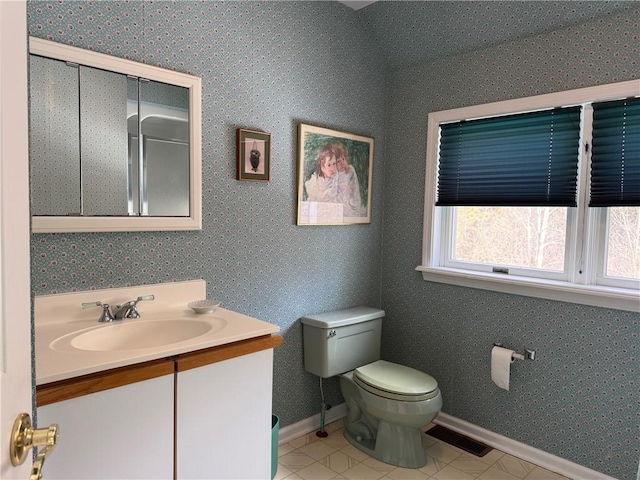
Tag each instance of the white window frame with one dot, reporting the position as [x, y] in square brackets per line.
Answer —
[583, 243]
[448, 238]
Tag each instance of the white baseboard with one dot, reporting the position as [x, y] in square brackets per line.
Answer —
[311, 424]
[520, 450]
[500, 442]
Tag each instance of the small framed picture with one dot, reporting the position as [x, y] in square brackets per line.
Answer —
[335, 173]
[254, 155]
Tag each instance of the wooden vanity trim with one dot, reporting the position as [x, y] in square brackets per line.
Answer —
[97, 382]
[118, 377]
[201, 358]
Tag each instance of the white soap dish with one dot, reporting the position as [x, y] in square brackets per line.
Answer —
[203, 306]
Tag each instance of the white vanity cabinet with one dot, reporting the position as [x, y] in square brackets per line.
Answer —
[174, 407]
[223, 415]
[202, 414]
[120, 433]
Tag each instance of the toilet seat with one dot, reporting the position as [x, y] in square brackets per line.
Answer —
[396, 382]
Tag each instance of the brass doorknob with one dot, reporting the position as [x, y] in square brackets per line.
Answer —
[24, 437]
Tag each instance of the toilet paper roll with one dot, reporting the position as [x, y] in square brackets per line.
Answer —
[501, 360]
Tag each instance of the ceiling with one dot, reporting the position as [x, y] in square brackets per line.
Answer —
[357, 4]
[410, 32]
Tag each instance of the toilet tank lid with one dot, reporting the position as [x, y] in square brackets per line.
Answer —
[340, 318]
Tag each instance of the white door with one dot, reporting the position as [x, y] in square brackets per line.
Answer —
[15, 295]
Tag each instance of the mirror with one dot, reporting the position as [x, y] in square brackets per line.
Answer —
[115, 144]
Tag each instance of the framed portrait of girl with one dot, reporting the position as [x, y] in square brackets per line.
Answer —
[335, 173]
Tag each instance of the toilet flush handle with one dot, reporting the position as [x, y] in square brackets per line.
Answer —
[332, 333]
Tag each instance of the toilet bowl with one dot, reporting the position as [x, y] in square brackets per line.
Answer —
[389, 404]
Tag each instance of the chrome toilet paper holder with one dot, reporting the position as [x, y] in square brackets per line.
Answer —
[529, 354]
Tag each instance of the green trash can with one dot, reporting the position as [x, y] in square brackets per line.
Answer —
[275, 431]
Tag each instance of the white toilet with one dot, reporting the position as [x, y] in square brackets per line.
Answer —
[388, 403]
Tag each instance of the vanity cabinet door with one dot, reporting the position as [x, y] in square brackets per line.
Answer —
[121, 433]
[223, 415]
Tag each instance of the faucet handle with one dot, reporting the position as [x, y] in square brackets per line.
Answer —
[133, 311]
[106, 315]
[91, 304]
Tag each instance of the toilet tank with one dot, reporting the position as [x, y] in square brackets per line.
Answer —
[340, 341]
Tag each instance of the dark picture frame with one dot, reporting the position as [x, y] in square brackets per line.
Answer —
[335, 176]
[253, 155]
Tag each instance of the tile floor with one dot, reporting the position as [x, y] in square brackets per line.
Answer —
[312, 458]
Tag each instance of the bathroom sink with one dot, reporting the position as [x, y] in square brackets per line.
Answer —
[135, 334]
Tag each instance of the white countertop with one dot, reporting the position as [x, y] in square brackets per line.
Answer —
[59, 319]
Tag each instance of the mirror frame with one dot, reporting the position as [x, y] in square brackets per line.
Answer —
[57, 224]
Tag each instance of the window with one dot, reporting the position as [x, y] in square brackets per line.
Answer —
[538, 196]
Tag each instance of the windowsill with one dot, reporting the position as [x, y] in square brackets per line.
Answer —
[597, 296]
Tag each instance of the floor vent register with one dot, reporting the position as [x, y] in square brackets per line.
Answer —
[458, 440]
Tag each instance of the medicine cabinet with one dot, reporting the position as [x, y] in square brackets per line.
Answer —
[115, 145]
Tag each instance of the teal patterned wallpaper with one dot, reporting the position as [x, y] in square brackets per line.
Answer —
[580, 398]
[264, 66]
[410, 32]
[270, 65]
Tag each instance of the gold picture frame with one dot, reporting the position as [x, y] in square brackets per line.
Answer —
[335, 174]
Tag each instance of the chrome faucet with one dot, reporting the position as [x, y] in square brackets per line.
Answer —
[128, 310]
[106, 315]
